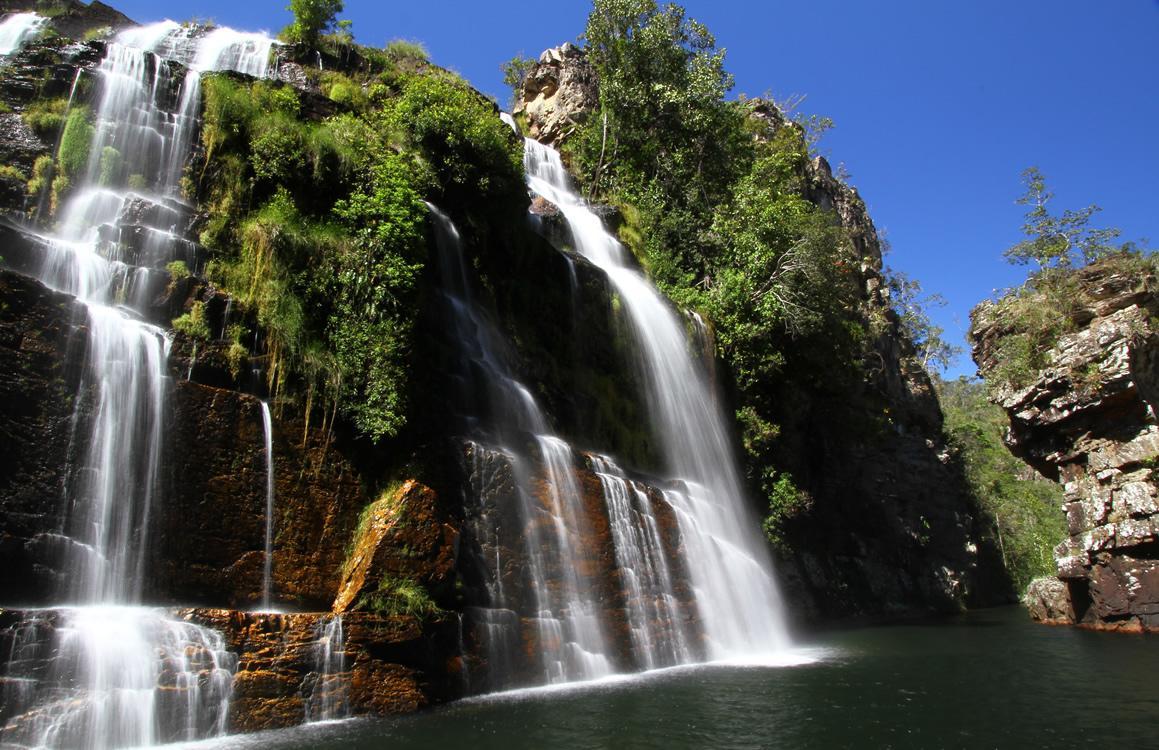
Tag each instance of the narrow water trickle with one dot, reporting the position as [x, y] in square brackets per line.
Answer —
[99, 670]
[268, 563]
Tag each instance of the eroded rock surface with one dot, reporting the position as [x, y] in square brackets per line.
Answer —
[558, 93]
[1088, 420]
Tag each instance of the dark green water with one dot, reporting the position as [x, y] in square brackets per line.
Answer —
[988, 680]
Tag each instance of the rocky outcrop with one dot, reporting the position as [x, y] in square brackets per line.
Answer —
[404, 535]
[382, 665]
[1088, 420]
[558, 93]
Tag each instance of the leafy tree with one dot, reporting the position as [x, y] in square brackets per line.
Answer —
[1065, 240]
[912, 307]
[312, 18]
[662, 87]
[515, 73]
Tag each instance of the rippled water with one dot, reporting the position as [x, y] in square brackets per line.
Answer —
[988, 680]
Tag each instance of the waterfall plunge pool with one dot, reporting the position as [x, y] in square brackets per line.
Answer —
[989, 679]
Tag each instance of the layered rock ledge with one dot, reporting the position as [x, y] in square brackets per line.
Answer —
[1087, 419]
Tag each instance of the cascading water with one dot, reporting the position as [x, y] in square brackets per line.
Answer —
[117, 674]
[328, 694]
[268, 563]
[572, 643]
[739, 606]
[17, 29]
[659, 633]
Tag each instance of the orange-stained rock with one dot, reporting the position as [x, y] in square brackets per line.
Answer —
[405, 535]
[392, 664]
[211, 529]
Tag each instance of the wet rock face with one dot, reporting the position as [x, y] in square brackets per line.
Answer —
[558, 93]
[282, 673]
[1088, 420]
[211, 534]
[501, 605]
[385, 665]
[40, 332]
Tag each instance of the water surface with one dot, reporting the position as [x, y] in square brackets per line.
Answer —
[988, 680]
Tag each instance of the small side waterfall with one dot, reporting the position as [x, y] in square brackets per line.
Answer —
[17, 29]
[268, 562]
[328, 693]
[100, 671]
[727, 561]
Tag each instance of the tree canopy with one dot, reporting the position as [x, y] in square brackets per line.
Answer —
[312, 18]
[1062, 240]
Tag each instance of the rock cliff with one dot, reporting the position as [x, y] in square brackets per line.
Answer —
[1086, 418]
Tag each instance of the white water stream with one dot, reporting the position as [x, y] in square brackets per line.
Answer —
[268, 561]
[728, 562]
[100, 671]
[17, 29]
[572, 642]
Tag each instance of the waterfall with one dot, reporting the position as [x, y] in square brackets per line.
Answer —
[658, 629]
[564, 612]
[328, 690]
[17, 29]
[267, 565]
[728, 562]
[101, 671]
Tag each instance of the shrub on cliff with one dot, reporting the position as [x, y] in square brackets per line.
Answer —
[318, 224]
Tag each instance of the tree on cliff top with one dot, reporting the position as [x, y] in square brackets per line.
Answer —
[1061, 241]
[312, 18]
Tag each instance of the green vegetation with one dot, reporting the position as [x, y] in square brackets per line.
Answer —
[1023, 507]
[178, 270]
[912, 307]
[712, 193]
[193, 323]
[45, 117]
[1052, 302]
[1061, 241]
[318, 226]
[515, 73]
[786, 502]
[75, 141]
[312, 18]
[399, 596]
[406, 49]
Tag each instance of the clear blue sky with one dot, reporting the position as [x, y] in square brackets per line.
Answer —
[938, 105]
